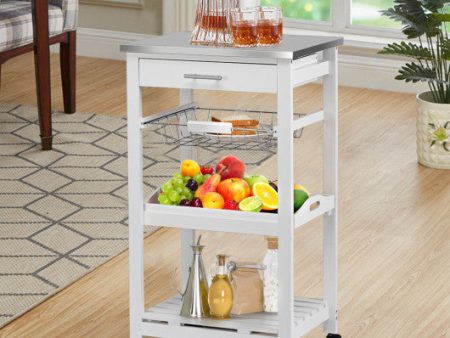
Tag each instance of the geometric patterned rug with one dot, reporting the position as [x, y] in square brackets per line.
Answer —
[64, 212]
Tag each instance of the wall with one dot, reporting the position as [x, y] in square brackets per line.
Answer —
[120, 18]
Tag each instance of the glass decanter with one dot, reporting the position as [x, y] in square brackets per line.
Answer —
[213, 23]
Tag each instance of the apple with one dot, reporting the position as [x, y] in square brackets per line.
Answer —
[230, 167]
[234, 189]
[255, 178]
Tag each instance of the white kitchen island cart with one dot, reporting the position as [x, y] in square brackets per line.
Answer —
[171, 62]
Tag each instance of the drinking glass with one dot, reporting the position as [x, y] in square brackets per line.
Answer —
[270, 26]
[244, 27]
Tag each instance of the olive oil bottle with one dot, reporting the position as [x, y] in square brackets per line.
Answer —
[220, 296]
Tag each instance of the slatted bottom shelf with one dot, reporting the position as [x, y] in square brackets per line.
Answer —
[163, 320]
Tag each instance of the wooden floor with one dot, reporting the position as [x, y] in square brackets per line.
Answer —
[394, 219]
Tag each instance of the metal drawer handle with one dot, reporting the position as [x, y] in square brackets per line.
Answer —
[203, 77]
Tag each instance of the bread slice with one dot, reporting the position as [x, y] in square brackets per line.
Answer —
[244, 126]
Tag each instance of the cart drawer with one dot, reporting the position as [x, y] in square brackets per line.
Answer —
[257, 78]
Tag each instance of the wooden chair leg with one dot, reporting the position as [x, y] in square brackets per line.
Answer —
[42, 70]
[67, 54]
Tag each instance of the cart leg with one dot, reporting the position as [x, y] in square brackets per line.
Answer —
[330, 182]
[135, 198]
[187, 236]
[285, 215]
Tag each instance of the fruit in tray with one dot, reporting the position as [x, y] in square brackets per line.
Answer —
[230, 205]
[252, 179]
[207, 169]
[251, 204]
[213, 200]
[234, 189]
[210, 185]
[230, 167]
[198, 186]
[267, 195]
[301, 194]
[189, 168]
[196, 203]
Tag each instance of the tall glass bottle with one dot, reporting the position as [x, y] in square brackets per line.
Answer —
[220, 296]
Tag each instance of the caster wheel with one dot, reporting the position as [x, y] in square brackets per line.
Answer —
[333, 335]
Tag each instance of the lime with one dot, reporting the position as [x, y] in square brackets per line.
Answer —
[300, 196]
[251, 204]
[301, 187]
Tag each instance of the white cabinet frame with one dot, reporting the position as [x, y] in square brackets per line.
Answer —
[296, 315]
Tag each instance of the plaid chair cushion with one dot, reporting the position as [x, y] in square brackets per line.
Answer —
[70, 12]
[16, 26]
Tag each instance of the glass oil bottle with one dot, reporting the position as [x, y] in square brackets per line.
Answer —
[220, 296]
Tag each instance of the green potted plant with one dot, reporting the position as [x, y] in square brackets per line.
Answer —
[426, 21]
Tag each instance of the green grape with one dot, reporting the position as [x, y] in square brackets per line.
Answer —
[186, 179]
[205, 177]
[166, 187]
[163, 199]
[191, 195]
[180, 190]
[198, 178]
[178, 182]
[174, 196]
[178, 176]
[186, 191]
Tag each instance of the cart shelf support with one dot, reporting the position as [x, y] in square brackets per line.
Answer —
[330, 186]
[285, 182]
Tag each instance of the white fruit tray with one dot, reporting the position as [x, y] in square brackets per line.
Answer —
[260, 223]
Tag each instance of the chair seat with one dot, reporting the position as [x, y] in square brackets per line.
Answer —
[16, 26]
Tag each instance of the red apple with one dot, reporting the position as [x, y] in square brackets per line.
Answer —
[234, 189]
[230, 167]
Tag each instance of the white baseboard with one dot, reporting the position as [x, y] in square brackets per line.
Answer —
[354, 71]
[374, 73]
[104, 44]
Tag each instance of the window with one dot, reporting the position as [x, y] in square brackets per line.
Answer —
[319, 10]
[350, 16]
[367, 13]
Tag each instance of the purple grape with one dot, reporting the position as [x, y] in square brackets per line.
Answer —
[192, 184]
[273, 185]
[185, 202]
[196, 203]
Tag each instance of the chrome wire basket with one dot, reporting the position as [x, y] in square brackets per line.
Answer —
[217, 128]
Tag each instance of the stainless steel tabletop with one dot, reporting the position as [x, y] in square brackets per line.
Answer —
[293, 47]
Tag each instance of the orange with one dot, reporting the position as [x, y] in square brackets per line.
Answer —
[189, 168]
[213, 200]
[267, 195]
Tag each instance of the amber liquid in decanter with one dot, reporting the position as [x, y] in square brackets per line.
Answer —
[212, 23]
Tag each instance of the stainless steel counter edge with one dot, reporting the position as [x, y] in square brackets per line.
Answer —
[178, 43]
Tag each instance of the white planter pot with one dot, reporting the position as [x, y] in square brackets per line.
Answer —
[430, 116]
